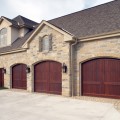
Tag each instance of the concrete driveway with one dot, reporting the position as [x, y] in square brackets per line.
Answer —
[30, 106]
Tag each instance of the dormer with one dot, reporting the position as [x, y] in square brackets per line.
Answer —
[12, 29]
[25, 25]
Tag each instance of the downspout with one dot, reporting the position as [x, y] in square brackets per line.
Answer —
[72, 66]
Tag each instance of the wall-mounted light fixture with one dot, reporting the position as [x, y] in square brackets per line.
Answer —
[64, 67]
[27, 69]
[4, 71]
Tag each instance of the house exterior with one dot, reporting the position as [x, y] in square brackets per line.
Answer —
[73, 55]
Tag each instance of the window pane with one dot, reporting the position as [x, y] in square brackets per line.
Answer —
[3, 37]
[45, 43]
[3, 31]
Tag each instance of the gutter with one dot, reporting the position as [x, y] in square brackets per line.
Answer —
[100, 36]
[72, 66]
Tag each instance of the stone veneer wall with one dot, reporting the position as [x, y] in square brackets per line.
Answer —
[60, 52]
[93, 49]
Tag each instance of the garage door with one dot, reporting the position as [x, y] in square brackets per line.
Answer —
[1, 78]
[19, 76]
[48, 77]
[101, 77]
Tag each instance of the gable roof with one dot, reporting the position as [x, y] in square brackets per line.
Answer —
[17, 44]
[14, 23]
[22, 21]
[101, 19]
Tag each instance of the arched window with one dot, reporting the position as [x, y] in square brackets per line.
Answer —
[3, 37]
[46, 43]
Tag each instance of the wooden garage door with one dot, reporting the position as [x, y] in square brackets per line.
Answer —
[1, 78]
[19, 76]
[101, 77]
[48, 77]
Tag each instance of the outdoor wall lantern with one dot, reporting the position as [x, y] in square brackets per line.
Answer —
[27, 69]
[64, 67]
[4, 71]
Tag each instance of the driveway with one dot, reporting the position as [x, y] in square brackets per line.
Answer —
[15, 105]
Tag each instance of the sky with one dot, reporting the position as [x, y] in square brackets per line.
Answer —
[38, 10]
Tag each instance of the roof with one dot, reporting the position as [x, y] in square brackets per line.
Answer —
[17, 44]
[12, 21]
[21, 21]
[101, 19]
[89, 22]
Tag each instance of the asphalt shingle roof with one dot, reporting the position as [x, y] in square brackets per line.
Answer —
[93, 21]
[24, 21]
[20, 41]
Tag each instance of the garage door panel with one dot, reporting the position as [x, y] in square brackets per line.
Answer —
[92, 78]
[88, 69]
[55, 68]
[19, 76]
[92, 89]
[100, 70]
[55, 77]
[101, 77]
[41, 77]
[113, 90]
[55, 88]
[47, 77]
[112, 77]
[41, 71]
[112, 70]
[41, 87]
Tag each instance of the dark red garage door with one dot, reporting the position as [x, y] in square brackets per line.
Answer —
[19, 76]
[101, 77]
[48, 77]
[1, 77]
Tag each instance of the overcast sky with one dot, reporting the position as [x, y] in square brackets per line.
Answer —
[38, 10]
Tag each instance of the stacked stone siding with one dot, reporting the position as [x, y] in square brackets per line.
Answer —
[93, 49]
[83, 51]
[60, 53]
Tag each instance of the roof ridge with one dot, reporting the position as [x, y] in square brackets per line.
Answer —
[83, 10]
[21, 19]
[26, 18]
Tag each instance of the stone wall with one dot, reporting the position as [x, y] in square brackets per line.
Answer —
[90, 50]
[60, 52]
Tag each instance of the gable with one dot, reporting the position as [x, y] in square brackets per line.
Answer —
[4, 24]
[67, 36]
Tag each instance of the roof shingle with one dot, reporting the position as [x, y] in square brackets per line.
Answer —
[25, 21]
[93, 21]
[101, 19]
